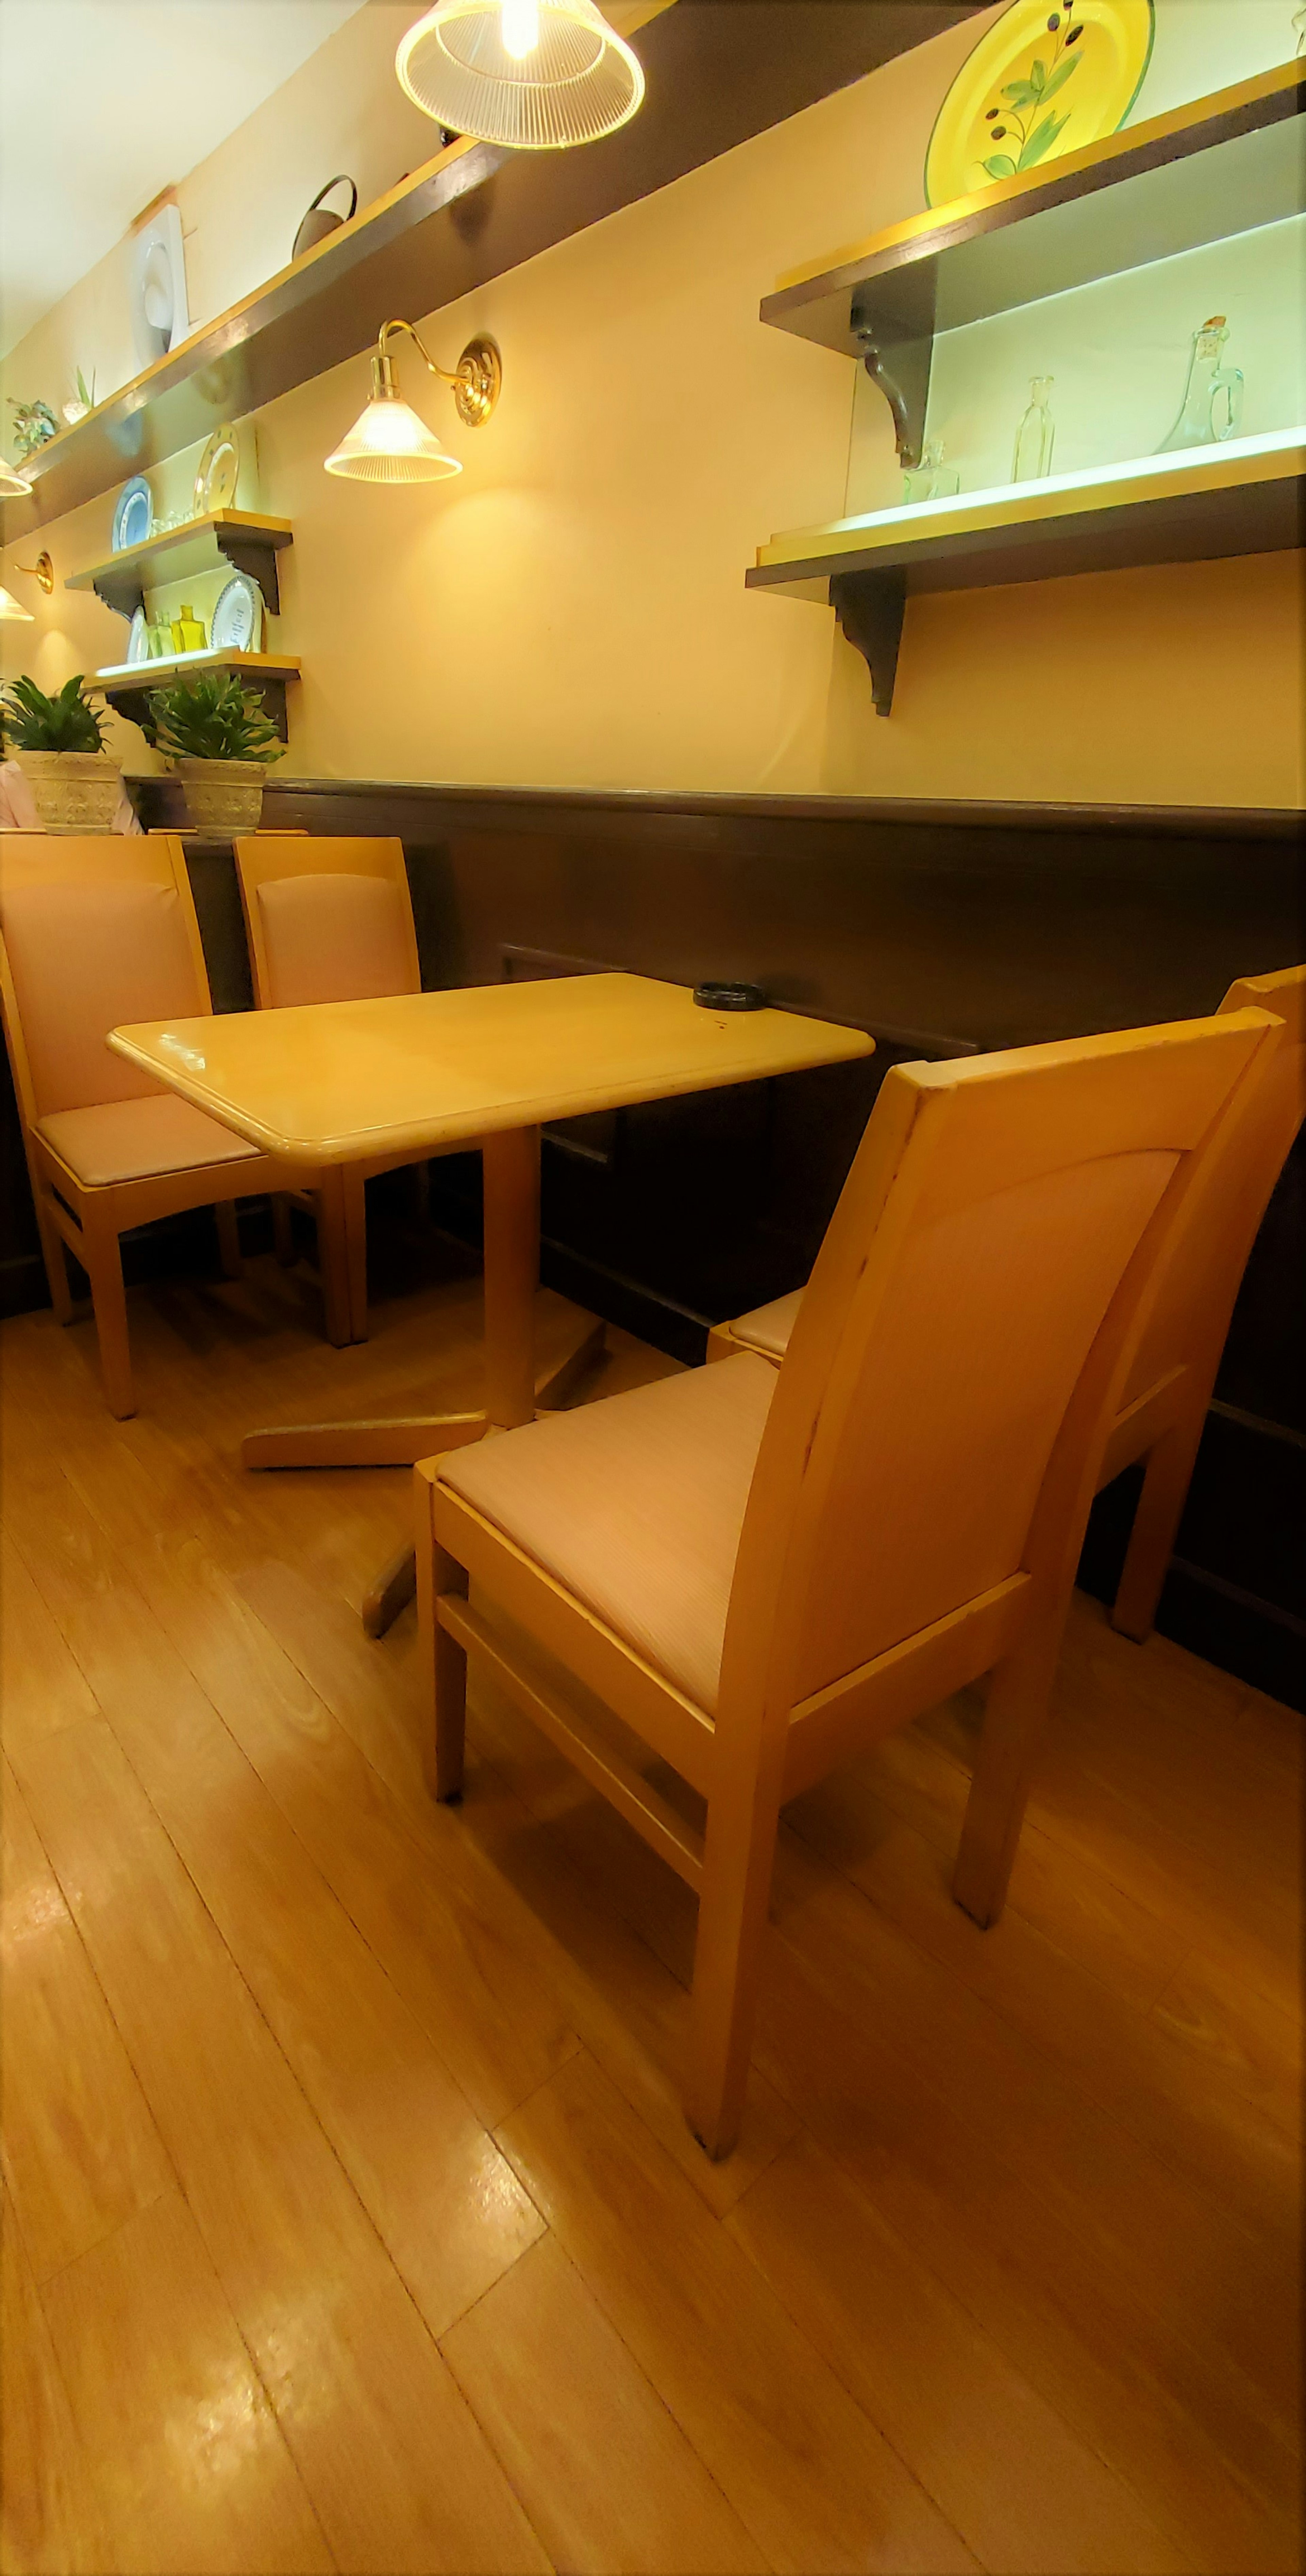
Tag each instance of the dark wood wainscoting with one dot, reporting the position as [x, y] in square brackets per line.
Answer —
[943, 929]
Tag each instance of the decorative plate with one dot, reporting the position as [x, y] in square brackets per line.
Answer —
[1050, 77]
[133, 517]
[215, 483]
[138, 642]
[238, 618]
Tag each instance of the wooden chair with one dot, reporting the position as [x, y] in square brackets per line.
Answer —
[330, 920]
[96, 932]
[1163, 1411]
[762, 1570]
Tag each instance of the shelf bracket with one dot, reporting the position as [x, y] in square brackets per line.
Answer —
[124, 593]
[249, 555]
[870, 607]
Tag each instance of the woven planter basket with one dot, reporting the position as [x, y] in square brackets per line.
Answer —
[73, 791]
[222, 795]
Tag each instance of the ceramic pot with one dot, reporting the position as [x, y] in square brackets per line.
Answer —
[73, 791]
[222, 795]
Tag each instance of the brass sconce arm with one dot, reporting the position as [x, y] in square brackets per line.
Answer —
[476, 378]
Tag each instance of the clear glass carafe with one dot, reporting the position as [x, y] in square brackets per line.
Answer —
[1035, 436]
[1213, 399]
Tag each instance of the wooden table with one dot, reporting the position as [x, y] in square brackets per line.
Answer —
[339, 1082]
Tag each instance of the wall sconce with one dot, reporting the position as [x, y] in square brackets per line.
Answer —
[388, 443]
[42, 573]
[536, 75]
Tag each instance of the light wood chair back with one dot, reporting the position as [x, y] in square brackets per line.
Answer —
[95, 933]
[327, 919]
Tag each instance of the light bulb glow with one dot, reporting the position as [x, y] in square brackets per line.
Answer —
[389, 444]
[521, 28]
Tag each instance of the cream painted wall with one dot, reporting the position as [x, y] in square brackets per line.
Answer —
[572, 610]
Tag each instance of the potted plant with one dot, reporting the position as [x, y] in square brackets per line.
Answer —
[219, 739]
[58, 744]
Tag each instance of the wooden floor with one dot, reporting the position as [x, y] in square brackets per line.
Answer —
[350, 2219]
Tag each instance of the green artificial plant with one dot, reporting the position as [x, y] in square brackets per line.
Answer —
[212, 718]
[34, 423]
[67, 722]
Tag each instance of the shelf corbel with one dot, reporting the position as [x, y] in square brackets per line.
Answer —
[870, 607]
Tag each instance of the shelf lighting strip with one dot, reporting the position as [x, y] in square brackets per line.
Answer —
[163, 662]
[1089, 478]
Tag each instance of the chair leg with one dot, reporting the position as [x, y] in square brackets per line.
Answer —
[55, 1258]
[443, 1662]
[228, 1225]
[1015, 1716]
[734, 1899]
[283, 1232]
[333, 1257]
[109, 1298]
[1169, 1473]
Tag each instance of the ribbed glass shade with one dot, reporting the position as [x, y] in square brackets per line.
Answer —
[14, 485]
[389, 444]
[9, 607]
[535, 74]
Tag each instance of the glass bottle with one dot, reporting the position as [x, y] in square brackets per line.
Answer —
[188, 634]
[1035, 436]
[931, 480]
[1211, 389]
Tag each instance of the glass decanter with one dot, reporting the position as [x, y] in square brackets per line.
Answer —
[1035, 436]
[1212, 391]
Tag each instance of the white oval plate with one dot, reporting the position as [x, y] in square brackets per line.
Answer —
[138, 643]
[238, 617]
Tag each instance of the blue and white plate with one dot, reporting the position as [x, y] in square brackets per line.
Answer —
[134, 516]
[238, 617]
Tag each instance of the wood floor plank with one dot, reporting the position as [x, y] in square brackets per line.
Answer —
[1027, 2494]
[190, 2468]
[1210, 2457]
[814, 2483]
[42, 1687]
[445, 2204]
[609, 2480]
[81, 2152]
[50, 2522]
[349, 2366]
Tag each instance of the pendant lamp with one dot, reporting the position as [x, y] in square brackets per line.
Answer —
[388, 442]
[536, 75]
[14, 485]
[10, 607]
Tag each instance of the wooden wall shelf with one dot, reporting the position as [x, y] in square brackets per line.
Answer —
[240, 538]
[715, 77]
[127, 686]
[1139, 196]
[1176, 509]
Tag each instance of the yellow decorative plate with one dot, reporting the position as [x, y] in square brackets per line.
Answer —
[1050, 77]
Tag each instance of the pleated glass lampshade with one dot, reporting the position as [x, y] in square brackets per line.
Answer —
[534, 74]
[10, 607]
[389, 444]
[14, 485]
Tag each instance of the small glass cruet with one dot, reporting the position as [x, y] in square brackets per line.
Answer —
[1035, 436]
[1213, 399]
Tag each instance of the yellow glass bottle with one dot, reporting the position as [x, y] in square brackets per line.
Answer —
[188, 634]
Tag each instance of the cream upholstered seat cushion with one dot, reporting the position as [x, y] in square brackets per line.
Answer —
[768, 1328]
[636, 1504]
[135, 1140]
[334, 937]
